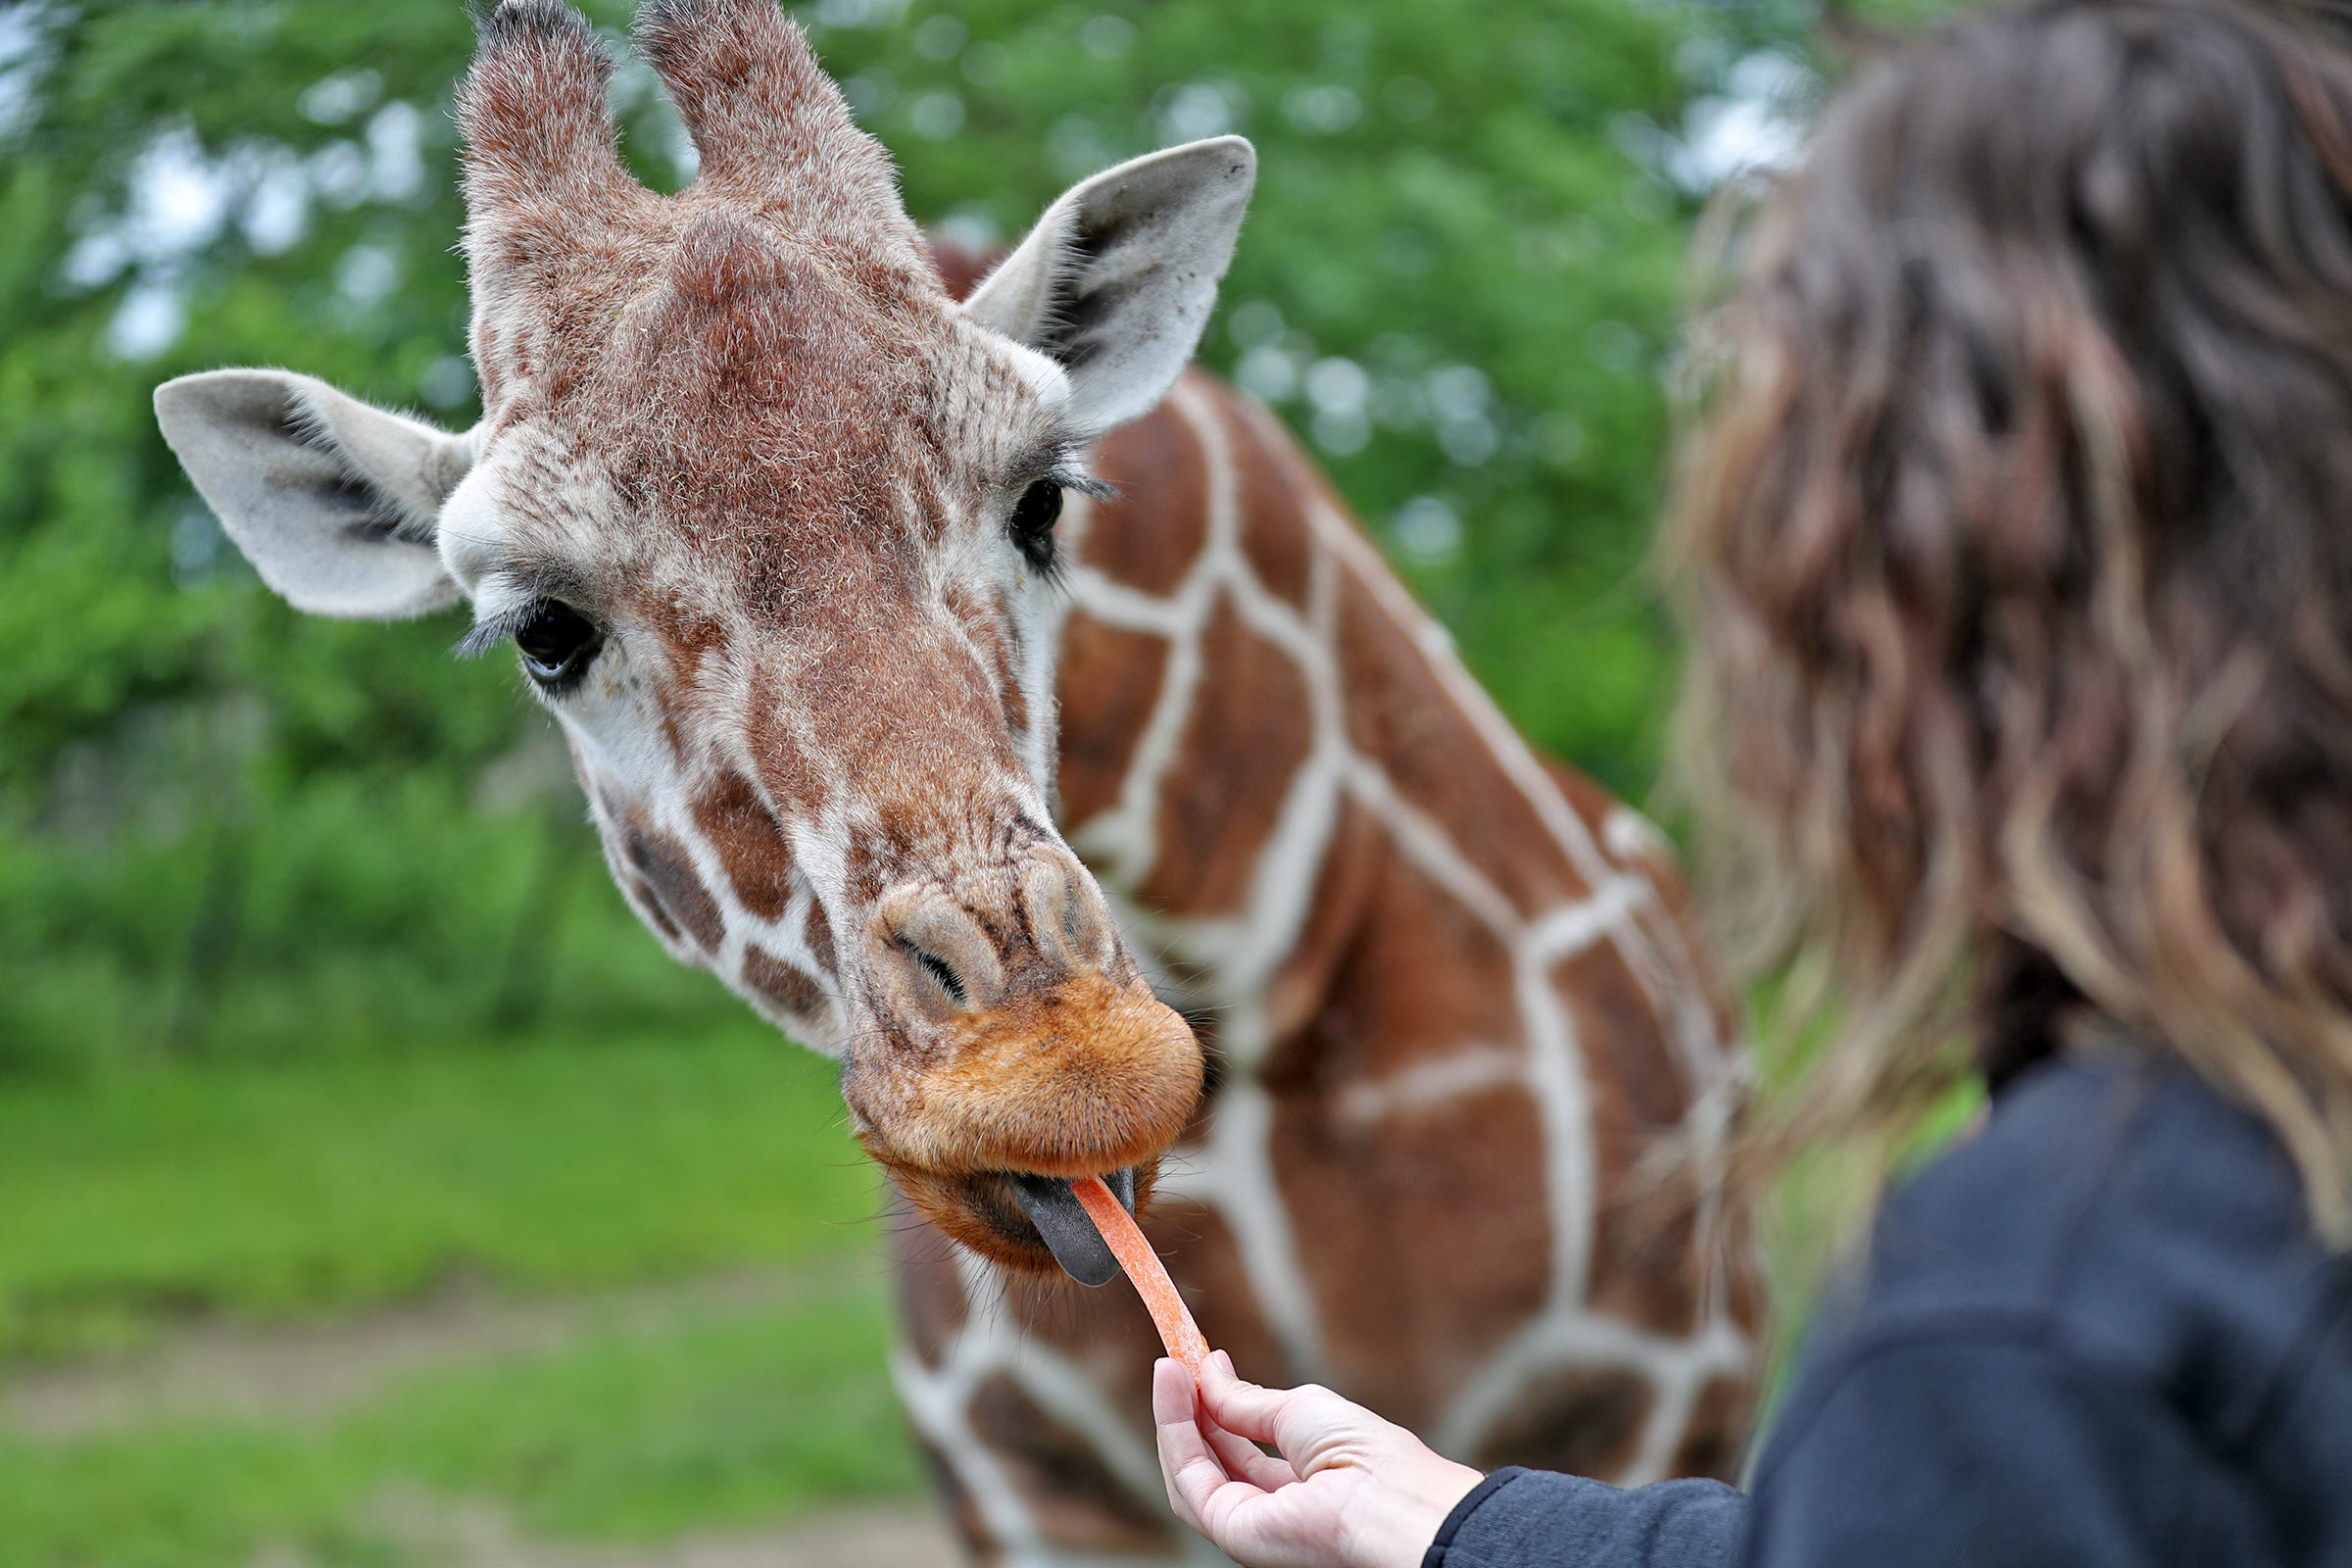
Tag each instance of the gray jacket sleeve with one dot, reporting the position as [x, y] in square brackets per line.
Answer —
[1538, 1519]
[1976, 1447]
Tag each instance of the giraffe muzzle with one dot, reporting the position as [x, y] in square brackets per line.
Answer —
[1017, 1047]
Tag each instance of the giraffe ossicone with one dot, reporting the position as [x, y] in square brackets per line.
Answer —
[778, 528]
[768, 515]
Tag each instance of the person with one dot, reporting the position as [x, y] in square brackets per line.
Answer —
[2013, 547]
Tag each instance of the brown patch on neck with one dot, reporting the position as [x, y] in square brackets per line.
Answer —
[1215, 823]
[1107, 681]
[1273, 481]
[1152, 533]
[1303, 987]
[1716, 1439]
[1080, 1504]
[1647, 1266]
[1403, 716]
[1584, 1421]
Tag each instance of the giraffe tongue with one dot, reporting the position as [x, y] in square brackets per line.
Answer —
[1062, 1222]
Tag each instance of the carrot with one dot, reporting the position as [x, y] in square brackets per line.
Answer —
[1177, 1330]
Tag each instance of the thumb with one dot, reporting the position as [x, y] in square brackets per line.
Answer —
[1237, 1406]
[1307, 1423]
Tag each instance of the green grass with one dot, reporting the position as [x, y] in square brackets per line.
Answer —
[134, 1198]
[718, 1419]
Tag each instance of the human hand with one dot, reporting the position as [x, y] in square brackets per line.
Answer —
[1350, 1490]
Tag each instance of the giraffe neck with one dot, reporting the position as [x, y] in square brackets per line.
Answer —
[1344, 856]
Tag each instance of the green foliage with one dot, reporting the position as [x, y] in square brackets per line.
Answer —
[226, 827]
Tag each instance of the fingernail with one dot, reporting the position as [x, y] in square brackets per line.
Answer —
[1226, 1362]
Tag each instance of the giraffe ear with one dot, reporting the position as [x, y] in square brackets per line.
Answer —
[335, 501]
[1117, 280]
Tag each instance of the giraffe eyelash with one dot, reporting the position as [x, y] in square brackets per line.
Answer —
[1085, 484]
[484, 635]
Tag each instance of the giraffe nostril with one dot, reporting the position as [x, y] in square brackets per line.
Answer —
[939, 948]
[943, 974]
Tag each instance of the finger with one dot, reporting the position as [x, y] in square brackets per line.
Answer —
[1315, 1427]
[1245, 1461]
[1174, 1395]
[1201, 1493]
[1239, 1407]
[1192, 1471]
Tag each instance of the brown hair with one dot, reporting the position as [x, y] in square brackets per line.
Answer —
[2012, 544]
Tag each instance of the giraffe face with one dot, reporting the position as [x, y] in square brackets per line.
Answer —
[768, 518]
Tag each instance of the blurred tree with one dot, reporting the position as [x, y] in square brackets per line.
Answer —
[222, 823]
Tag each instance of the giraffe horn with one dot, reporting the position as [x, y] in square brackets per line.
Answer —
[763, 114]
[543, 171]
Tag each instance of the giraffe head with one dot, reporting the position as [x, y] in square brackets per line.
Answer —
[769, 519]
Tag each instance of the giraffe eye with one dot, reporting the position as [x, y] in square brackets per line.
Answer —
[558, 645]
[1032, 522]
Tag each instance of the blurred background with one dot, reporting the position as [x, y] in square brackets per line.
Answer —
[371, 1190]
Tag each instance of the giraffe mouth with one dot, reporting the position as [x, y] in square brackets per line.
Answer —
[1061, 1223]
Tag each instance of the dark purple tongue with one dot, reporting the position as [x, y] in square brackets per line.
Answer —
[1062, 1223]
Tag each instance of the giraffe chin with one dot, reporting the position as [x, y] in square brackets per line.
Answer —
[1018, 1221]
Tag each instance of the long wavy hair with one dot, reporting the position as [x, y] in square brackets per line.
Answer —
[2015, 544]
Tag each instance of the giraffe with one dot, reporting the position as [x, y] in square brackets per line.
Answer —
[867, 610]
[1455, 994]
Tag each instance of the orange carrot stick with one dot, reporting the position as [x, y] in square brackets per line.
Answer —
[1177, 1330]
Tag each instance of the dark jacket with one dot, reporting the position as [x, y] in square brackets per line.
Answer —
[2098, 1333]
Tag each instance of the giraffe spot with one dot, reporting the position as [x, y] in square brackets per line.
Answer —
[1431, 1225]
[1406, 719]
[1300, 990]
[1079, 1501]
[669, 876]
[1431, 1231]
[785, 986]
[1250, 731]
[689, 634]
[1715, 1438]
[750, 846]
[1645, 1260]
[1152, 533]
[1272, 482]
[1622, 1035]
[649, 908]
[1109, 681]
[1583, 1420]
[817, 937]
